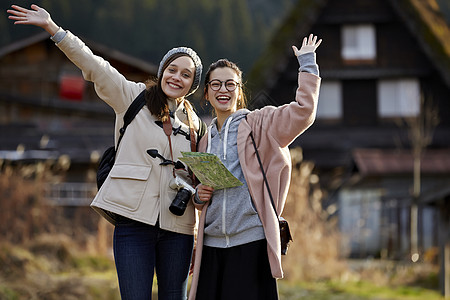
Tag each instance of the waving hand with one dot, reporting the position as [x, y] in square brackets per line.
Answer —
[36, 16]
[309, 45]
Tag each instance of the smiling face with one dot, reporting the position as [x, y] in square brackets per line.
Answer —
[178, 77]
[223, 100]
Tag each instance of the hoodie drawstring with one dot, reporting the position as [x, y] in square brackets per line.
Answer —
[227, 127]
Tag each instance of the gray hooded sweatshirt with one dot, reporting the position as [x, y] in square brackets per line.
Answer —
[231, 219]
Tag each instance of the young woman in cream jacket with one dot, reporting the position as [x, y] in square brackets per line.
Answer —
[137, 193]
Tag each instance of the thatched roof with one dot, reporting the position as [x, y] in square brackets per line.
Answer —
[423, 18]
[427, 23]
[278, 50]
[105, 51]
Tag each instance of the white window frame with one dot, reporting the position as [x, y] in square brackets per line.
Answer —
[330, 101]
[398, 97]
[358, 42]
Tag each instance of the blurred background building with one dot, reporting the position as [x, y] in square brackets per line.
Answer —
[381, 141]
[49, 112]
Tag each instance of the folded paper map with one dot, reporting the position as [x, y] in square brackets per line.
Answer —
[209, 170]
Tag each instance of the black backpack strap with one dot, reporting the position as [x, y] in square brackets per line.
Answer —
[131, 112]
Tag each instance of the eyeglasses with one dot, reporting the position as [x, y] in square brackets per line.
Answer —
[216, 84]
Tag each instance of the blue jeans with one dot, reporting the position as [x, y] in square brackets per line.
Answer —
[139, 249]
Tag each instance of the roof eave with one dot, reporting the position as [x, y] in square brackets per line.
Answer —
[274, 57]
[106, 52]
[430, 29]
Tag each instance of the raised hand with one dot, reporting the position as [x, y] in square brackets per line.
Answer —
[36, 16]
[309, 44]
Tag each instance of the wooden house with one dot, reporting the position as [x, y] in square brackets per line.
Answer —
[381, 140]
[48, 112]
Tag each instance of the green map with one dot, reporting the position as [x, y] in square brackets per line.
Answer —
[209, 170]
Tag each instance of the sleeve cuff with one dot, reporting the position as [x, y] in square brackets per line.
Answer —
[58, 36]
[197, 199]
[308, 63]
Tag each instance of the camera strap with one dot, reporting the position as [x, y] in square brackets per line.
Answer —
[188, 108]
[167, 127]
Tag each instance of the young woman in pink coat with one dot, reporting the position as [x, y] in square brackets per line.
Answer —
[238, 252]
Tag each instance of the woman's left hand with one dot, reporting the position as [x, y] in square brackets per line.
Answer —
[309, 45]
[204, 192]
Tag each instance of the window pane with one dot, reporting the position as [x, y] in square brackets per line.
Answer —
[398, 98]
[366, 38]
[359, 218]
[358, 42]
[330, 100]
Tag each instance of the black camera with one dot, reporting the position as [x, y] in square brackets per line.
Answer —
[184, 194]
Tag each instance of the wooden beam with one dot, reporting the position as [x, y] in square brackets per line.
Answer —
[444, 245]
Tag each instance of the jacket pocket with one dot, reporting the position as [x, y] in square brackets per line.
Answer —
[127, 186]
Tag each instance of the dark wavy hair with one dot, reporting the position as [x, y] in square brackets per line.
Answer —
[225, 63]
[155, 97]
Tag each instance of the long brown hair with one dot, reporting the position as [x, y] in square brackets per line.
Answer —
[155, 97]
[225, 63]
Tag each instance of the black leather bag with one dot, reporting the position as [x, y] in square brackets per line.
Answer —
[109, 156]
[285, 233]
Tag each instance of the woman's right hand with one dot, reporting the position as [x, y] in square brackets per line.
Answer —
[36, 16]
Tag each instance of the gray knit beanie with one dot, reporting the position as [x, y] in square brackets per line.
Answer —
[197, 62]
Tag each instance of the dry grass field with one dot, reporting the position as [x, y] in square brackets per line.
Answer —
[49, 252]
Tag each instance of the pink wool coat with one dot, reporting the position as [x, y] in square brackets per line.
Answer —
[274, 129]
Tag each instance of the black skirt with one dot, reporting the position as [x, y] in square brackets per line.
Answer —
[241, 272]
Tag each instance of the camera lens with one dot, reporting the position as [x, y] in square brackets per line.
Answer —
[179, 204]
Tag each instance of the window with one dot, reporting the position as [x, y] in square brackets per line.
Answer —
[398, 98]
[330, 101]
[358, 42]
[359, 219]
